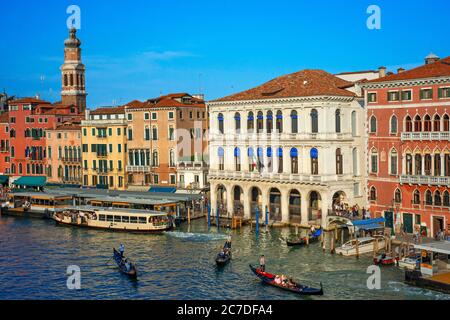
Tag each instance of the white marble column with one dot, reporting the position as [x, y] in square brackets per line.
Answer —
[285, 206]
[246, 200]
[230, 200]
[304, 207]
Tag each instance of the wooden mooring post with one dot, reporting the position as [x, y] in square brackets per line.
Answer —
[189, 215]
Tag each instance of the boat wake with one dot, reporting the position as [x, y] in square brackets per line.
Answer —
[415, 291]
[197, 236]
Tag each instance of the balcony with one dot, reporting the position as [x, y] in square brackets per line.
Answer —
[426, 136]
[71, 159]
[425, 180]
[137, 169]
[102, 155]
[274, 137]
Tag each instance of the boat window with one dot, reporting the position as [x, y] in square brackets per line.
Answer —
[142, 220]
[125, 219]
[117, 219]
[133, 219]
[109, 218]
[102, 217]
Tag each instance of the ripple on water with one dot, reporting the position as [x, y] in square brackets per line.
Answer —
[176, 265]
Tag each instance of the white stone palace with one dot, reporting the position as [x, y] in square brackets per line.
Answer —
[292, 147]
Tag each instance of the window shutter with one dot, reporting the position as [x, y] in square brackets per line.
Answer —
[440, 92]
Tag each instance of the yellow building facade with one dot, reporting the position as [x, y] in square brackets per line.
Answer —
[104, 148]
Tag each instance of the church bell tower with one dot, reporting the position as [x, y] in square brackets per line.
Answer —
[73, 71]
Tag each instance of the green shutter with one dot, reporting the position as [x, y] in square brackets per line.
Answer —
[440, 92]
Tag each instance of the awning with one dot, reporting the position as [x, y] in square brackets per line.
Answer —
[370, 224]
[163, 189]
[31, 181]
[3, 179]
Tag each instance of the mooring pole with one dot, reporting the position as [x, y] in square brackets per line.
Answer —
[257, 220]
[209, 215]
[267, 216]
[218, 218]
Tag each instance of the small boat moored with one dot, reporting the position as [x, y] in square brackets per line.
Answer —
[290, 285]
[360, 246]
[383, 259]
[125, 265]
[410, 263]
[304, 240]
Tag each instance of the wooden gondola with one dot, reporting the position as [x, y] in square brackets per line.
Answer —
[297, 288]
[304, 240]
[222, 260]
[120, 261]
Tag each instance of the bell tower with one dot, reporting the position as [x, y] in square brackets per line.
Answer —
[72, 71]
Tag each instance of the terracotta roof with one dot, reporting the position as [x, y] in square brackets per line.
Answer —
[299, 84]
[357, 72]
[68, 126]
[439, 68]
[28, 100]
[168, 100]
[108, 110]
[4, 117]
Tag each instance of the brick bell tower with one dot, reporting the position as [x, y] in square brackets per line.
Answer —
[72, 71]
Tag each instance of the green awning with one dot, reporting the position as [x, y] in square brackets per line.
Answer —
[31, 181]
[3, 179]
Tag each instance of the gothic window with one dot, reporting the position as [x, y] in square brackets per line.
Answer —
[446, 199]
[418, 164]
[416, 197]
[417, 124]
[427, 123]
[394, 162]
[437, 198]
[339, 161]
[428, 198]
[314, 121]
[437, 123]
[428, 162]
[373, 194]
[374, 161]
[394, 125]
[446, 123]
[294, 122]
[398, 196]
[373, 124]
[437, 164]
[409, 164]
[408, 124]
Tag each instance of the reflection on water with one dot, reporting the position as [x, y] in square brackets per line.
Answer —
[176, 265]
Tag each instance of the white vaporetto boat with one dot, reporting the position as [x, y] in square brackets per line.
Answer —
[130, 220]
[365, 245]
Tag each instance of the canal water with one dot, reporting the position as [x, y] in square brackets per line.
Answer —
[35, 254]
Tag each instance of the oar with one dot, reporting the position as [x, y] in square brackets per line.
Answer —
[109, 260]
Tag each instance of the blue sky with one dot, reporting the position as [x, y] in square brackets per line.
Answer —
[139, 49]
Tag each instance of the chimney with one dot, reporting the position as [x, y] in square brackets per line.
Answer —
[389, 73]
[400, 70]
[431, 58]
[382, 72]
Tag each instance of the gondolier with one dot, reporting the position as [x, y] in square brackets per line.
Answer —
[122, 250]
[262, 263]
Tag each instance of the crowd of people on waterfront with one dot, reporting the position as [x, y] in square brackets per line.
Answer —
[343, 209]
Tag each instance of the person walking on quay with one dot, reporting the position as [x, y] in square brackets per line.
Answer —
[122, 249]
[262, 263]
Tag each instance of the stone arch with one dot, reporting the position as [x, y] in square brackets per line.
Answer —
[275, 204]
[238, 200]
[340, 203]
[221, 192]
[295, 201]
[255, 199]
[314, 206]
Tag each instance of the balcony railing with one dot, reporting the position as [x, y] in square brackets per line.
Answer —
[138, 169]
[282, 177]
[425, 180]
[70, 159]
[249, 137]
[426, 136]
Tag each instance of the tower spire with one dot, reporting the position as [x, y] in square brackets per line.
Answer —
[72, 72]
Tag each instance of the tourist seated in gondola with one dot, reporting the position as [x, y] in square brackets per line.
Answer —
[127, 264]
[228, 243]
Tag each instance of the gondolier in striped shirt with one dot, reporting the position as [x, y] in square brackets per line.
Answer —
[122, 249]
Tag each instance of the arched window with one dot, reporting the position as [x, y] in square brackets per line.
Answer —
[269, 122]
[339, 161]
[251, 160]
[418, 164]
[437, 198]
[237, 159]
[428, 198]
[155, 159]
[314, 161]
[446, 123]
[427, 123]
[428, 163]
[354, 128]
[237, 122]
[13, 168]
[437, 123]
[373, 194]
[66, 153]
[416, 197]
[260, 158]
[294, 160]
[172, 158]
[337, 121]
[279, 123]
[12, 133]
[394, 162]
[294, 122]
[20, 168]
[314, 121]
[417, 124]
[71, 79]
[155, 133]
[250, 122]
[221, 155]
[374, 161]
[409, 164]
[446, 199]
[220, 122]
[82, 80]
[269, 159]
[373, 124]
[280, 160]
[408, 124]
[437, 164]
[398, 196]
[394, 126]
[65, 80]
[260, 122]
[355, 162]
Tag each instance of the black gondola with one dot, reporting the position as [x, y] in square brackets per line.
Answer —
[269, 279]
[302, 241]
[120, 261]
[224, 256]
